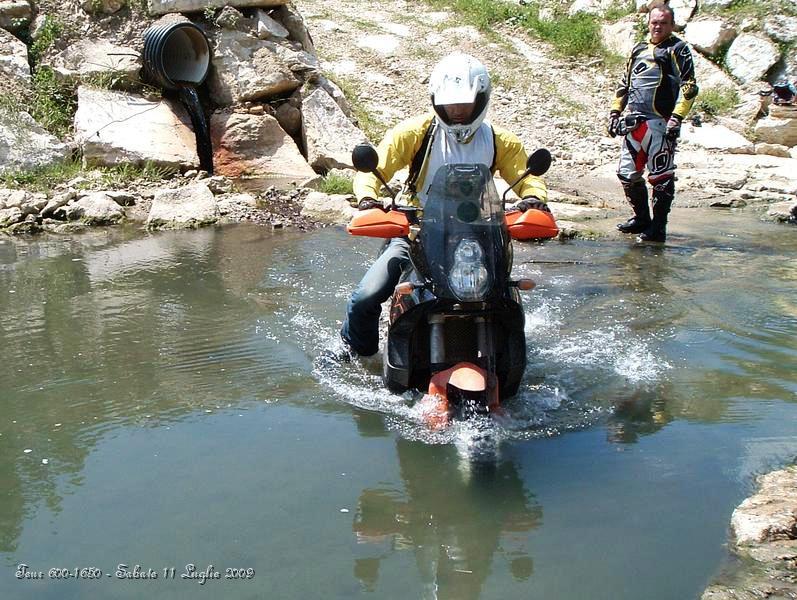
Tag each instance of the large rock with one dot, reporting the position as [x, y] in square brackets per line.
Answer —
[86, 58]
[710, 76]
[10, 216]
[267, 28]
[95, 209]
[328, 208]
[329, 134]
[590, 7]
[717, 137]
[293, 21]
[769, 515]
[620, 37]
[15, 14]
[115, 127]
[782, 28]
[25, 145]
[709, 36]
[773, 130]
[783, 211]
[751, 56]
[190, 206]
[256, 152]
[162, 7]
[246, 68]
[13, 60]
[683, 11]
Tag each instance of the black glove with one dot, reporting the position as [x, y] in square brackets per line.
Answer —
[531, 202]
[614, 121]
[368, 203]
[674, 127]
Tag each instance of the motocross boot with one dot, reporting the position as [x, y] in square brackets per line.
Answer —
[637, 194]
[663, 195]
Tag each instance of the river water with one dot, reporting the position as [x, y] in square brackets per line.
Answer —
[162, 405]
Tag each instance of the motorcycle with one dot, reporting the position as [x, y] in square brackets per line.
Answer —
[456, 321]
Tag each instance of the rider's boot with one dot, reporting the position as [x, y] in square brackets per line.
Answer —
[637, 194]
[663, 195]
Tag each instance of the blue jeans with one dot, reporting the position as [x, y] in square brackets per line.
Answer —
[361, 327]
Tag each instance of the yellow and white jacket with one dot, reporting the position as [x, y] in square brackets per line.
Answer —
[495, 147]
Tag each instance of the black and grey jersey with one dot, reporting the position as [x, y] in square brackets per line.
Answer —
[659, 80]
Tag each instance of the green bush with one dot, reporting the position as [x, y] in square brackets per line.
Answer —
[50, 31]
[717, 101]
[335, 183]
[572, 36]
[42, 179]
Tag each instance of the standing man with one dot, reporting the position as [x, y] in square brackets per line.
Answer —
[658, 89]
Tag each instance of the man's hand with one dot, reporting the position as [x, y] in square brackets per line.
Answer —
[368, 203]
[614, 121]
[531, 202]
[674, 127]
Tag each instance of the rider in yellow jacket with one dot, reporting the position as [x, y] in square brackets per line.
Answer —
[455, 133]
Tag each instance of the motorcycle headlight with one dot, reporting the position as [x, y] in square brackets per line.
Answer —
[468, 278]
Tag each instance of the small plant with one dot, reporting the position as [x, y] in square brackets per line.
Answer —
[124, 174]
[50, 31]
[619, 10]
[42, 179]
[209, 13]
[717, 101]
[335, 183]
[54, 103]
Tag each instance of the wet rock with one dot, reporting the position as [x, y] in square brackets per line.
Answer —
[115, 127]
[246, 68]
[57, 202]
[255, 152]
[328, 208]
[219, 185]
[15, 14]
[25, 145]
[186, 207]
[100, 59]
[162, 7]
[95, 209]
[236, 205]
[9, 216]
[14, 60]
[751, 56]
[764, 527]
[329, 134]
[783, 211]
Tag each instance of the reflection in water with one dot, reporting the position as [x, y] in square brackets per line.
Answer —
[454, 522]
[677, 353]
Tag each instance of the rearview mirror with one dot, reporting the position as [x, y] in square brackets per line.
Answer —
[364, 158]
[538, 163]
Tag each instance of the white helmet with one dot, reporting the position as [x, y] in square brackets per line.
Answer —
[460, 79]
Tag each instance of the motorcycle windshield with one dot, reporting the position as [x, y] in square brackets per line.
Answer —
[463, 233]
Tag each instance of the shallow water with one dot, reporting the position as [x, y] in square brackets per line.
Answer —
[163, 405]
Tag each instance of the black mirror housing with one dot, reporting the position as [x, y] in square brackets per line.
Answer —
[364, 158]
[539, 162]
